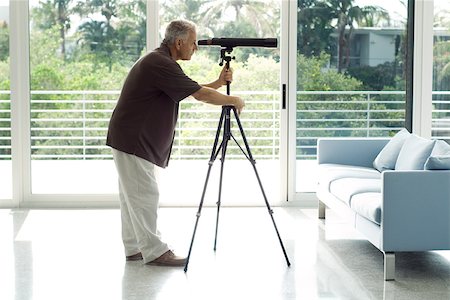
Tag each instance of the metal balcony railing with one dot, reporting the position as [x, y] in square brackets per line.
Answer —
[76, 127]
[345, 113]
[440, 118]
[5, 125]
[73, 124]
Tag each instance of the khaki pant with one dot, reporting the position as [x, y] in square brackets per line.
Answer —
[139, 197]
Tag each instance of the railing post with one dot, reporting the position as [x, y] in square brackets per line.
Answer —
[274, 128]
[368, 114]
[178, 130]
[84, 126]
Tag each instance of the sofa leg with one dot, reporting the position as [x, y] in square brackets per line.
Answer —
[389, 266]
[322, 208]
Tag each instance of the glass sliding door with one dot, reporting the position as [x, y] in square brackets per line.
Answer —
[441, 71]
[5, 106]
[80, 53]
[256, 80]
[351, 78]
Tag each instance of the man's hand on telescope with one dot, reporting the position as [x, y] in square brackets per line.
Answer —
[226, 75]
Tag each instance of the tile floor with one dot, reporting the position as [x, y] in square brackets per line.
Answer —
[77, 254]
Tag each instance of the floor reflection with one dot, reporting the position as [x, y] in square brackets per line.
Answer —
[23, 259]
[77, 254]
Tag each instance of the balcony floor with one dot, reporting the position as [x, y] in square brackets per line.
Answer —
[180, 184]
[77, 254]
[65, 177]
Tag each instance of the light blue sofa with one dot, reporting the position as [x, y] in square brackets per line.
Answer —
[396, 210]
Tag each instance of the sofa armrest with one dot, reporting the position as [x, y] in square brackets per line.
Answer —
[415, 210]
[349, 151]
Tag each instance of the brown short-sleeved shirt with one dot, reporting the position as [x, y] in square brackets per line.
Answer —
[143, 122]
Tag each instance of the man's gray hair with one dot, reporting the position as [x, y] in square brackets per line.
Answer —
[178, 29]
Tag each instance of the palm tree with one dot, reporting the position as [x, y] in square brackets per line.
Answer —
[182, 9]
[372, 16]
[347, 15]
[101, 38]
[107, 8]
[55, 12]
[314, 28]
[261, 14]
[112, 30]
[131, 30]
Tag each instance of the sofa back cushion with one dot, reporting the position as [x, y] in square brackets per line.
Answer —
[438, 162]
[414, 153]
[440, 157]
[387, 157]
[441, 148]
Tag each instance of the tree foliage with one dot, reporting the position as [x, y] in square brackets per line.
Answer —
[319, 19]
[4, 41]
[54, 13]
[314, 76]
[377, 78]
[441, 67]
[314, 28]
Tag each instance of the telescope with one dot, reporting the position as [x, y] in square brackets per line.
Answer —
[240, 42]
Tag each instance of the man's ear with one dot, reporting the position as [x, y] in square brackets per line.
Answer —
[178, 44]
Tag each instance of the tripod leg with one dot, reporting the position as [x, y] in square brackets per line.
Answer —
[198, 217]
[253, 162]
[211, 161]
[222, 159]
[271, 214]
[226, 138]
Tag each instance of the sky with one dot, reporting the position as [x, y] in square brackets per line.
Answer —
[395, 8]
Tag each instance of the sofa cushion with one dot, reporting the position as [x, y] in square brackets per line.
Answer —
[438, 162]
[368, 205]
[441, 148]
[414, 153]
[387, 157]
[345, 188]
[330, 172]
[440, 157]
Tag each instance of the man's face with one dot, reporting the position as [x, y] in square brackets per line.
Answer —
[188, 47]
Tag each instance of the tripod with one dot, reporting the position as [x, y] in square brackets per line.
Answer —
[225, 120]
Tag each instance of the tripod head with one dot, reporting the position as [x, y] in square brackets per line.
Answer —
[225, 57]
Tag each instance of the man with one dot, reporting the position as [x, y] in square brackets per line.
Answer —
[141, 132]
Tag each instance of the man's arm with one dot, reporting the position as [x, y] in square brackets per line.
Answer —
[213, 85]
[211, 96]
[208, 93]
